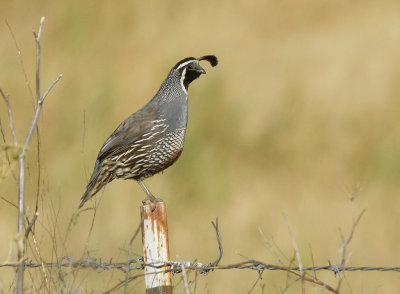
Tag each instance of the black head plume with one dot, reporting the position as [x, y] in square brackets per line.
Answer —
[212, 59]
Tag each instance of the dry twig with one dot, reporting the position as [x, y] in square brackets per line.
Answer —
[296, 250]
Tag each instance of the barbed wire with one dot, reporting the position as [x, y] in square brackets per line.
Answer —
[176, 266]
[138, 265]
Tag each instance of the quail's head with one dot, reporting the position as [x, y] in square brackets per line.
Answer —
[190, 68]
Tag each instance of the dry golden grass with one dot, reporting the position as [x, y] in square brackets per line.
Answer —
[303, 107]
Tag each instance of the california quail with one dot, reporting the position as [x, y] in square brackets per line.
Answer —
[151, 139]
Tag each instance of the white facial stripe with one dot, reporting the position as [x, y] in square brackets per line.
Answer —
[185, 63]
[182, 78]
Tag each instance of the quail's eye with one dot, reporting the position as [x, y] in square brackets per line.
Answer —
[190, 67]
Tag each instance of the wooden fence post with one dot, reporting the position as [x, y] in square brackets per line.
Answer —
[156, 248]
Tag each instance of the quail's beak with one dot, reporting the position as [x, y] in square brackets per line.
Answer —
[201, 70]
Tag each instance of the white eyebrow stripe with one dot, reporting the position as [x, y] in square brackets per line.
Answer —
[185, 63]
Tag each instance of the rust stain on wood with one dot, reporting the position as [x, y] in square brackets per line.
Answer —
[155, 246]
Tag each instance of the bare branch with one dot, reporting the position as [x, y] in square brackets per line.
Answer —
[342, 250]
[9, 202]
[255, 283]
[21, 214]
[312, 260]
[37, 112]
[185, 279]
[50, 87]
[296, 249]
[46, 279]
[273, 248]
[343, 247]
[38, 169]
[37, 39]
[220, 249]
[31, 224]
[21, 61]
[10, 118]
[129, 256]
[10, 163]
[21, 161]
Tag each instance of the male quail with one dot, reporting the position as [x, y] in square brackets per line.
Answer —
[151, 139]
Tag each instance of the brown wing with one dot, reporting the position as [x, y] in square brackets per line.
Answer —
[134, 128]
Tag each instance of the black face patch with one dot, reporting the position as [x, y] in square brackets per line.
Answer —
[190, 68]
[191, 75]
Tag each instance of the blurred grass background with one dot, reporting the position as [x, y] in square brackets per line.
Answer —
[303, 108]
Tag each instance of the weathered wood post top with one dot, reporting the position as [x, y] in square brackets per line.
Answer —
[156, 248]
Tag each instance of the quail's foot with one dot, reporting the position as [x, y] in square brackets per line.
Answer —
[151, 198]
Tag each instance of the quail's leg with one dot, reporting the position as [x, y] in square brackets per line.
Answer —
[150, 196]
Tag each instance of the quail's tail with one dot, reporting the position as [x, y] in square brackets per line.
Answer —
[97, 181]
